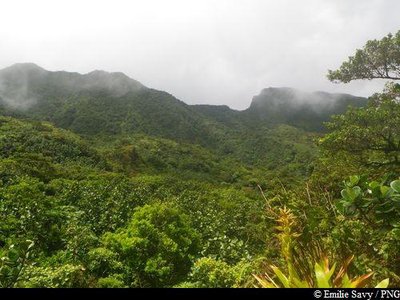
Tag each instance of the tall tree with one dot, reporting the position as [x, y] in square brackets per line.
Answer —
[371, 133]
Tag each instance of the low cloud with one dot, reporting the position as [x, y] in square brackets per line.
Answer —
[202, 51]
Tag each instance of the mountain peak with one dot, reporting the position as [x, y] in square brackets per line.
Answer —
[20, 82]
[283, 93]
[274, 89]
[292, 96]
[99, 74]
[117, 82]
[25, 67]
[298, 108]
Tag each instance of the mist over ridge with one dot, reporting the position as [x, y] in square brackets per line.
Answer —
[21, 84]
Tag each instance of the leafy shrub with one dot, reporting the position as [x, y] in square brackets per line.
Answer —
[210, 273]
[62, 276]
[156, 247]
[375, 202]
[13, 263]
[114, 281]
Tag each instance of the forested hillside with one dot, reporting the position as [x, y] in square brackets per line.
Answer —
[107, 183]
[275, 132]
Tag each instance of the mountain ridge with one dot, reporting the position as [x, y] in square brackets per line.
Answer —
[101, 75]
[120, 121]
[113, 103]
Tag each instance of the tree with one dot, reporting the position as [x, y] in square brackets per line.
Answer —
[378, 59]
[155, 249]
[371, 133]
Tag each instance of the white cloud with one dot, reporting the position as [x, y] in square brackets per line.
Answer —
[202, 51]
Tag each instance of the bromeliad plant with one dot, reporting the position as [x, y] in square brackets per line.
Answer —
[307, 267]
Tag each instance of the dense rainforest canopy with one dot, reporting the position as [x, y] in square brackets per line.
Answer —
[107, 183]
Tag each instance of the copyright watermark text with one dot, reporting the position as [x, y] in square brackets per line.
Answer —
[357, 294]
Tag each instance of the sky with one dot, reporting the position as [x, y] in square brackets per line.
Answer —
[201, 51]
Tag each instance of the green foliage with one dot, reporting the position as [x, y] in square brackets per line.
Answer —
[370, 134]
[29, 209]
[13, 263]
[306, 267]
[157, 193]
[377, 59]
[63, 276]
[210, 273]
[114, 281]
[371, 221]
[115, 198]
[375, 202]
[43, 151]
[323, 277]
[138, 153]
[230, 221]
[195, 140]
[156, 247]
[18, 137]
[26, 211]
[103, 261]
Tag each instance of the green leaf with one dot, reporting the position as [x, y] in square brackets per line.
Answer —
[350, 194]
[323, 277]
[354, 180]
[346, 282]
[383, 284]
[375, 188]
[395, 185]
[284, 280]
[300, 283]
[385, 191]
[13, 254]
[341, 206]
[374, 184]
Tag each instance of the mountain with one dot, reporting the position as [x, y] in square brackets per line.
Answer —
[113, 103]
[97, 103]
[21, 84]
[300, 109]
[275, 132]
